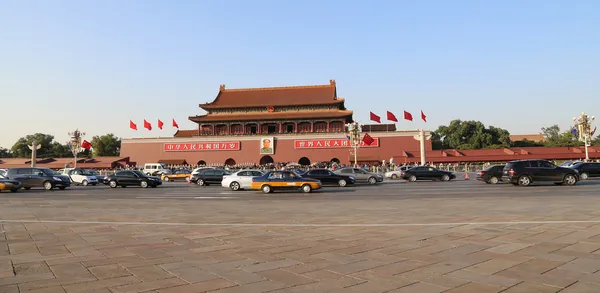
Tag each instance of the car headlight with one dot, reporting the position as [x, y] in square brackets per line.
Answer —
[57, 178]
[351, 178]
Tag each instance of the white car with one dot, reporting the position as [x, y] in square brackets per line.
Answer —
[79, 176]
[397, 173]
[241, 179]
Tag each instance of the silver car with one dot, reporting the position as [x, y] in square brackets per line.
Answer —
[361, 175]
[241, 179]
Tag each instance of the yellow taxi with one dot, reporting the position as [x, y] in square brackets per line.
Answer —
[284, 180]
[178, 175]
[11, 185]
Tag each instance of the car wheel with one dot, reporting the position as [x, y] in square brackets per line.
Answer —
[144, 184]
[412, 178]
[494, 180]
[306, 188]
[372, 180]
[570, 180]
[266, 189]
[48, 185]
[166, 179]
[445, 177]
[342, 183]
[235, 186]
[200, 182]
[84, 183]
[394, 176]
[112, 184]
[524, 180]
[584, 176]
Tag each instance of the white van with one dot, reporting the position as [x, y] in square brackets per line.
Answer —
[155, 169]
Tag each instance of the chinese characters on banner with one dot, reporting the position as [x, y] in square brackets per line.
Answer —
[330, 144]
[202, 146]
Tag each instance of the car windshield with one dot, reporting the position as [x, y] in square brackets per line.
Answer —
[86, 173]
[139, 173]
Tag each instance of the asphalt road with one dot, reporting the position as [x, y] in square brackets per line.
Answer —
[388, 190]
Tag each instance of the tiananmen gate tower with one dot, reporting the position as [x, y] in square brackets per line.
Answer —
[301, 124]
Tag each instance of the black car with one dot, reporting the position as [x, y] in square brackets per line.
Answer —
[426, 173]
[132, 178]
[587, 170]
[491, 174]
[329, 178]
[206, 177]
[526, 172]
[38, 177]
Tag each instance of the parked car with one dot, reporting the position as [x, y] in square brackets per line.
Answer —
[587, 170]
[209, 176]
[569, 163]
[427, 173]
[133, 178]
[396, 174]
[282, 180]
[177, 175]
[197, 170]
[491, 174]
[7, 184]
[361, 175]
[526, 172]
[241, 179]
[79, 176]
[329, 178]
[38, 177]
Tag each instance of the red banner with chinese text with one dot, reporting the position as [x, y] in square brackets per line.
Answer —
[202, 146]
[330, 144]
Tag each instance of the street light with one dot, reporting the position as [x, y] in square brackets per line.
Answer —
[75, 144]
[584, 127]
[355, 140]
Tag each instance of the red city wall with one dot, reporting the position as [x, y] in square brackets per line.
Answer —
[152, 150]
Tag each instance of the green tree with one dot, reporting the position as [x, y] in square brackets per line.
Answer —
[106, 145]
[5, 153]
[557, 138]
[21, 150]
[59, 151]
[469, 135]
[526, 143]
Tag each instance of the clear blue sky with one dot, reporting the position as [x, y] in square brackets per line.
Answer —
[94, 65]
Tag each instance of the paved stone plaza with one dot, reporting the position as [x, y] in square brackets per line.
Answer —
[462, 236]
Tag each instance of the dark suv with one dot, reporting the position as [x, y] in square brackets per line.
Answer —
[38, 177]
[525, 172]
[209, 176]
[132, 178]
[587, 170]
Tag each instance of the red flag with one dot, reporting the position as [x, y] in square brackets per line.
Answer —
[132, 125]
[408, 116]
[86, 145]
[147, 125]
[423, 116]
[375, 117]
[175, 124]
[391, 117]
[593, 132]
[367, 139]
[160, 124]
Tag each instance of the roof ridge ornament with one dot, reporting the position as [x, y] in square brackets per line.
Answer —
[222, 87]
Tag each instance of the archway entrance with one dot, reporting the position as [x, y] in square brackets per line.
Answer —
[266, 160]
[335, 160]
[229, 162]
[201, 163]
[304, 161]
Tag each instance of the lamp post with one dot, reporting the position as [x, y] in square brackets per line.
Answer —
[355, 140]
[584, 126]
[75, 144]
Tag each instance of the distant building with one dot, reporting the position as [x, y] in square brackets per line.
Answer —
[531, 137]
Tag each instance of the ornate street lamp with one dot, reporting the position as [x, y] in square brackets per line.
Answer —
[355, 139]
[75, 144]
[584, 127]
